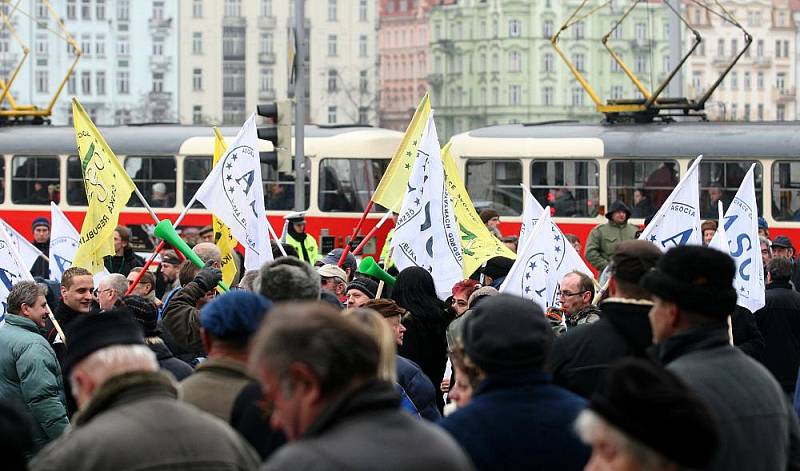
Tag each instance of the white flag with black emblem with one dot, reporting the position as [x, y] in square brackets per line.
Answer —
[12, 269]
[677, 222]
[26, 250]
[427, 234]
[533, 275]
[234, 193]
[738, 236]
[64, 241]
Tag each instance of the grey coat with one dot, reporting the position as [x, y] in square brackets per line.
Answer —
[758, 427]
[135, 422]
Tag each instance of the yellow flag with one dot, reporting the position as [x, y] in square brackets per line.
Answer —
[392, 187]
[477, 243]
[222, 234]
[108, 189]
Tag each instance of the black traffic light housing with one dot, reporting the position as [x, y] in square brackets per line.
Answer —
[279, 134]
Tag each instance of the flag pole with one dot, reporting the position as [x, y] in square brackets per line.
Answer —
[346, 249]
[147, 205]
[277, 239]
[371, 233]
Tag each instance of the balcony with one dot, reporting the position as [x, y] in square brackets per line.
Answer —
[159, 25]
[238, 21]
[266, 95]
[160, 63]
[721, 61]
[266, 57]
[641, 44]
[160, 98]
[267, 22]
[784, 95]
[435, 79]
[761, 61]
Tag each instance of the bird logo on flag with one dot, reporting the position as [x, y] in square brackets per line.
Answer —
[238, 176]
[534, 278]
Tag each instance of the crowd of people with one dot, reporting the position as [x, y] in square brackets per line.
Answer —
[306, 364]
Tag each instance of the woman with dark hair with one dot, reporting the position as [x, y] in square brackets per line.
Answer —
[426, 323]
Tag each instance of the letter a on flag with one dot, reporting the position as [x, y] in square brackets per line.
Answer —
[222, 234]
[233, 192]
[677, 222]
[26, 250]
[64, 241]
[426, 234]
[108, 189]
[740, 228]
[12, 270]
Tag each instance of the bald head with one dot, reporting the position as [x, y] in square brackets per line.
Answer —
[208, 252]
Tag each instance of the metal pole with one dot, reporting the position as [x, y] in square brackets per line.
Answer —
[675, 50]
[299, 106]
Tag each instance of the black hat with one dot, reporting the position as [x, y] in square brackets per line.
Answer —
[505, 332]
[170, 257]
[653, 406]
[144, 312]
[205, 230]
[89, 333]
[332, 258]
[365, 285]
[618, 205]
[698, 279]
[40, 221]
[633, 258]
[783, 242]
[498, 267]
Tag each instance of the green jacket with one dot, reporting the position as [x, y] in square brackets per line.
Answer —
[603, 240]
[30, 374]
[311, 248]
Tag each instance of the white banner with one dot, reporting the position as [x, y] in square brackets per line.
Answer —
[12, 269]
[27, 250]
[64, 241]
[427, 234]
[233, 191]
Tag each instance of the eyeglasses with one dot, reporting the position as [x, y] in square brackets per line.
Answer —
[98, 292]
[567, 294]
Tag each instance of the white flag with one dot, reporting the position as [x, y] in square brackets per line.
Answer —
[427, 234]
[533, 275]
[741, 228]
[233, 191]
[12, 269]
[677, 222]
[27, 250]
[64, 241]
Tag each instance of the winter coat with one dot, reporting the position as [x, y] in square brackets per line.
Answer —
[365, 429]
[181, 322]
[122, 264]
[310, 246]
[757, 426]
[214, 386]
[167, 361]
[425, 344]
[587, 315]
[251, 420]
[418, 387]
[746, 334]
[520, 420]
[580, 358]
[603, 240]
[135, 422]
[30, 375]
[41, 267]
[779, 323]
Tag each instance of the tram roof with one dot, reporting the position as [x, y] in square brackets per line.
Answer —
[144, 139]
[712, 139]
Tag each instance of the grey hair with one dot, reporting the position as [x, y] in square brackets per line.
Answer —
[591, 426]
[248, 280]
[208, 252]
[765, 241]
[117, 282]
[116, 360]
[288, 279]
[24, 292]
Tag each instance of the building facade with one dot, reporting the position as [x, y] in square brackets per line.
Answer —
[403, 45]
[761, 87]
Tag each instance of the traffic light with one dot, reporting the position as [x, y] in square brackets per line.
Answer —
[279, 134]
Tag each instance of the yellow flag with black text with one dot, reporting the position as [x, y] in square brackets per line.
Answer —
[222, 234]
[392, 187]
[477, 243]
[108, 189]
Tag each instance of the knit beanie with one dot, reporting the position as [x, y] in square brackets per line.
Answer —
[235, 315]
[498, 267]
[40, 221]
[144, 312]
[365, 285]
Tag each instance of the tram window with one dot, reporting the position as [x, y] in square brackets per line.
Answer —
[643, 185]
[786, 191]
[495, 184]
[570, 187]
[279, 186]
[34, 179]
[155, 178]
[2, 176]
[720, 180]
[195, 171]
[345, 185]
[76, 193]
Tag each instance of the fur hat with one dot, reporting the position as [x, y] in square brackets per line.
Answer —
[633, 258]
[654, 407]
[235, 315]
[89, 333]
[288, 279]
[709, 225]
[698, 279]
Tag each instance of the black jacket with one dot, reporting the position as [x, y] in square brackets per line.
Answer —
[746, 334]
[123, 264]
[41, 267]
[779, 322]
[425, 343]
[251, 420]
[167, 361]
[580, 358]
[418, 388]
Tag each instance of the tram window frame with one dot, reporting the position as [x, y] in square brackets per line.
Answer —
[188, 192]
[53, 194]
[76, 191]
[356, 199]
[544, 192]
[629, 191]
[781, 192]
[2, 180]
[510, 201]
[729, 185]
[145, 184]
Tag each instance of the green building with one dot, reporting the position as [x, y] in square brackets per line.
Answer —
[492, 61]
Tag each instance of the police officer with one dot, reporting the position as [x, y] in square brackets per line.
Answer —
[297, 237]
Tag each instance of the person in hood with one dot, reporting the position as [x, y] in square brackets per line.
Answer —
[296, 236]
[603, 240]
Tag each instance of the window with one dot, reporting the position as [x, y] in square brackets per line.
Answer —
[760, 80]
[266, 82]
[514, 95]
[266, 43]
[123, 47]
[734, 111]
[785, 190]
[363, 115]
[514, 28]
[331, 45]
[760, 48]
[197, 8]
[615, 67]
[785, 48]
[149, 173]
[86, 82]
[617, 32]
[233, 8]
[495, 183]
[233, 85]
[266, 8]
[331, 10]
[514, 61]
[777, 48]
[641, 63]
[34, 179]
[578, 60]
[76, 193]
[72, 9]
[666, 65]
[495, 95]
[780, 113]
[571, 187]
[746, 116]
[86, 44]
[41, 10]
[122, 117]
[734, 80]
[331, 115]
[100, 78]
[580, 27]
[346, 184]
[41, 82]
[734, 46]
[123, 10]
[643, 185]
[197, 114]
[697, 81]
[233, 42]
[577, 96]
[332, 76]
[362, 45]
[197, 43]
[71, 86]
[547, 29]
[158, 82]
[123, 82]
[495, 63]
[721, 48]
[548, 62]
[547, 96]
[616, 92]
[363, 82]
[41, 47]
[720, 180]
[760, 112]
[100, 46]
[780, 80]
[362, 10]
[86, 9]
[158, 47]
[197, 79]
[746, 81]
[640, 31]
